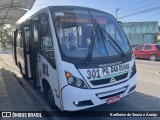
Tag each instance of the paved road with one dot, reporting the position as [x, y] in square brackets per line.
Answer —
[145, 98]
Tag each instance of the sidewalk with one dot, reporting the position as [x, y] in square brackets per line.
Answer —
[12, 95]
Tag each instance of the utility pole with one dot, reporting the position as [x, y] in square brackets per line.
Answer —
[116, 12]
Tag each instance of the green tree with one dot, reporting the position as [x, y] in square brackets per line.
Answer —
[6, 35]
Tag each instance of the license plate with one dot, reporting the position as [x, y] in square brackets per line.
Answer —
[113, 99]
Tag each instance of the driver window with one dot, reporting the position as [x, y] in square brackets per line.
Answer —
[70, 38]
[113, 32]
[116, 35]
[46, 39]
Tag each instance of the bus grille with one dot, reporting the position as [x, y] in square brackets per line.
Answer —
[107, 81]
[112, 93]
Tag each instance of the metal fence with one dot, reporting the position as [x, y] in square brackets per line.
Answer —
[141, 32]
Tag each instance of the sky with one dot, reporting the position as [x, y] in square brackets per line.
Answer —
[127, 10]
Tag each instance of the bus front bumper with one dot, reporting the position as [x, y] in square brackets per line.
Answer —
[78, 99]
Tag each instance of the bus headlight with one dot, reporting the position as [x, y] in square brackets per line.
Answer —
[133, 70]
[79, 83]
[74, 81]
[71, 80]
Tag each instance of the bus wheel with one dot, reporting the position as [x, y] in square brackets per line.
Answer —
[50, 96]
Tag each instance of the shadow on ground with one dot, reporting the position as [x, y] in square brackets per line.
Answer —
[5, 51]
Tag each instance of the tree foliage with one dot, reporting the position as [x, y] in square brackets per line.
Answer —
[6, 35]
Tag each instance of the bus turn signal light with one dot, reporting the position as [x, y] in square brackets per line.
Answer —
[68, 75]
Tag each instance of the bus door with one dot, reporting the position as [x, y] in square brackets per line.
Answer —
[14, 46]
[19, 49]
[27, 37]
[31, 50]
[34, 47]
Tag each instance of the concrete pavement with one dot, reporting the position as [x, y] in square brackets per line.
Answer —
[13, 95]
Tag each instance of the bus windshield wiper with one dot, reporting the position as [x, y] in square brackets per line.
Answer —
[110, 37]
[93, 37]
[91, 44]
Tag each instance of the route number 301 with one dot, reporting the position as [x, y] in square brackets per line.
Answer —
[93, 74]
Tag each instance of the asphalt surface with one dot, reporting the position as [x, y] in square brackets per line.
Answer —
[145, 98]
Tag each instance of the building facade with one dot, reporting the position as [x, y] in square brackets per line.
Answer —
[141, 32]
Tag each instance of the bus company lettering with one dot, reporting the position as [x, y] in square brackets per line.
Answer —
[123, 67]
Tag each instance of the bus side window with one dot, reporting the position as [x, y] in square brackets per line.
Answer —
[19, 38]
[27, 37]
[36, 37]
[46, 40]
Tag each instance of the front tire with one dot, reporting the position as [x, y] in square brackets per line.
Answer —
[50, 98]
[49, 95]
[153, 57]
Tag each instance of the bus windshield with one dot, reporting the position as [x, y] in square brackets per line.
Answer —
[81, 32]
